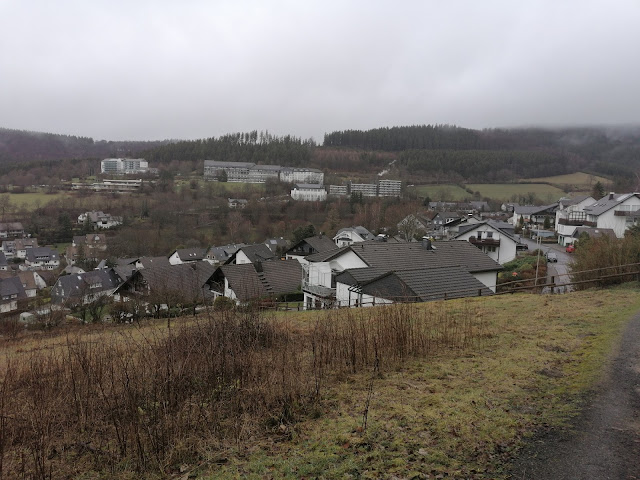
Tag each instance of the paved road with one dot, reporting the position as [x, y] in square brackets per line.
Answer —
[603, 442]
[557, 270]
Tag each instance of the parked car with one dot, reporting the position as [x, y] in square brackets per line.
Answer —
[571, 248]
[522, 247]
[552, 257]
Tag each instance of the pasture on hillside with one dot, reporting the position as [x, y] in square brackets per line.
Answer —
[507, 191]
[30, 201]
[578, 181]
[441, 193]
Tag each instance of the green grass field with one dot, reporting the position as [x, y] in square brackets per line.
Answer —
[29, 201]
[579, 180]
[505, 191]
[496, 191]
[445, 192]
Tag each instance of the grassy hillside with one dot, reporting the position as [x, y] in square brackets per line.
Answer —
[446, 388]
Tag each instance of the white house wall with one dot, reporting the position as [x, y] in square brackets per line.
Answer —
[489, 279]
[175, 259]
[348, 298]
[241, 258]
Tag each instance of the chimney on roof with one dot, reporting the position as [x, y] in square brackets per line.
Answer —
[611, 195]
[426, 243]
[258, 266]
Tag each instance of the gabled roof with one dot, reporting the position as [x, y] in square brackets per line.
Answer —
[607, 203]
[3, 260]
[7, 226]
[360, 230]
[191, 254]
[501, 227]
[258, 280]
[256, 253]
[593, 232]
[424, 284]
[565, 202]
[533, 209]
[79, 285]
[317, 244]
[11, 286]
[403, 256]
[243, 280]
[223, 252]
[148, 262]
[186, 279]
[45, 252]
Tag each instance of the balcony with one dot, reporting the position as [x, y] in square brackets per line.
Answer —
[576, 222]
[319, 290]
[626, 213]
[492, 242]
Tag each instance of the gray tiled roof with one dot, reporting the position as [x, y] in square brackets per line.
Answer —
[184, 279]
[423, 284]
[148, 262]
[42, 252]
[317, 244]
[191, 254]
[607, 203]
[250, 281]
[79, 285]
[256, 253]
[11, 286]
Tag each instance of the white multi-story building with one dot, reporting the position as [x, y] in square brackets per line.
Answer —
[309, 192]
[389, 188]
[366, 189]
[301, 175]
[124, 165]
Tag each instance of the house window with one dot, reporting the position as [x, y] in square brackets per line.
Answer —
[489, 234]
[479, 234]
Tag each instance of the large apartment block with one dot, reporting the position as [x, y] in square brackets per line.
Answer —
[120, 166]
[247, 172]
[383, 188]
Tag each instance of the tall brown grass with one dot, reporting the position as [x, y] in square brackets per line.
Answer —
[144, 401]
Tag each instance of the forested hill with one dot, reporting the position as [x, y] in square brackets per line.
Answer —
[262, 148]
[18, 146]
[522, 152]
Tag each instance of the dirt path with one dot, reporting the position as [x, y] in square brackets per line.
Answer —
[604, 441]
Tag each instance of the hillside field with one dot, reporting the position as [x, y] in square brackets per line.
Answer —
[577, 181]
[30, 200]
[495, 191]
[501, 369]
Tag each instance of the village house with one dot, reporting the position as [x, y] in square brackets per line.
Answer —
[219, 255]
[277, 245]
[31, 281]
[99, 219]
[11, 291]
[309, 246]
[18, 248]
[187, 255]
[347, 236]
[534, 216]
[320, 275]
[41, 258]
[11, 230]
[492, 239]
[257, 281]
[90, 247]
[164, 285]
[84, 288]
[251, 254]
[4, 265]
[237, 202]
[616, 212]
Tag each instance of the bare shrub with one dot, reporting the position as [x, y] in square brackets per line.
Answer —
[148, 399]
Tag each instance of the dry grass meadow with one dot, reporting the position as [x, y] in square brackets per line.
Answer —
[411, 391]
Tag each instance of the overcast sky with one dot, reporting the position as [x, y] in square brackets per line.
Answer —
[149, 70]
